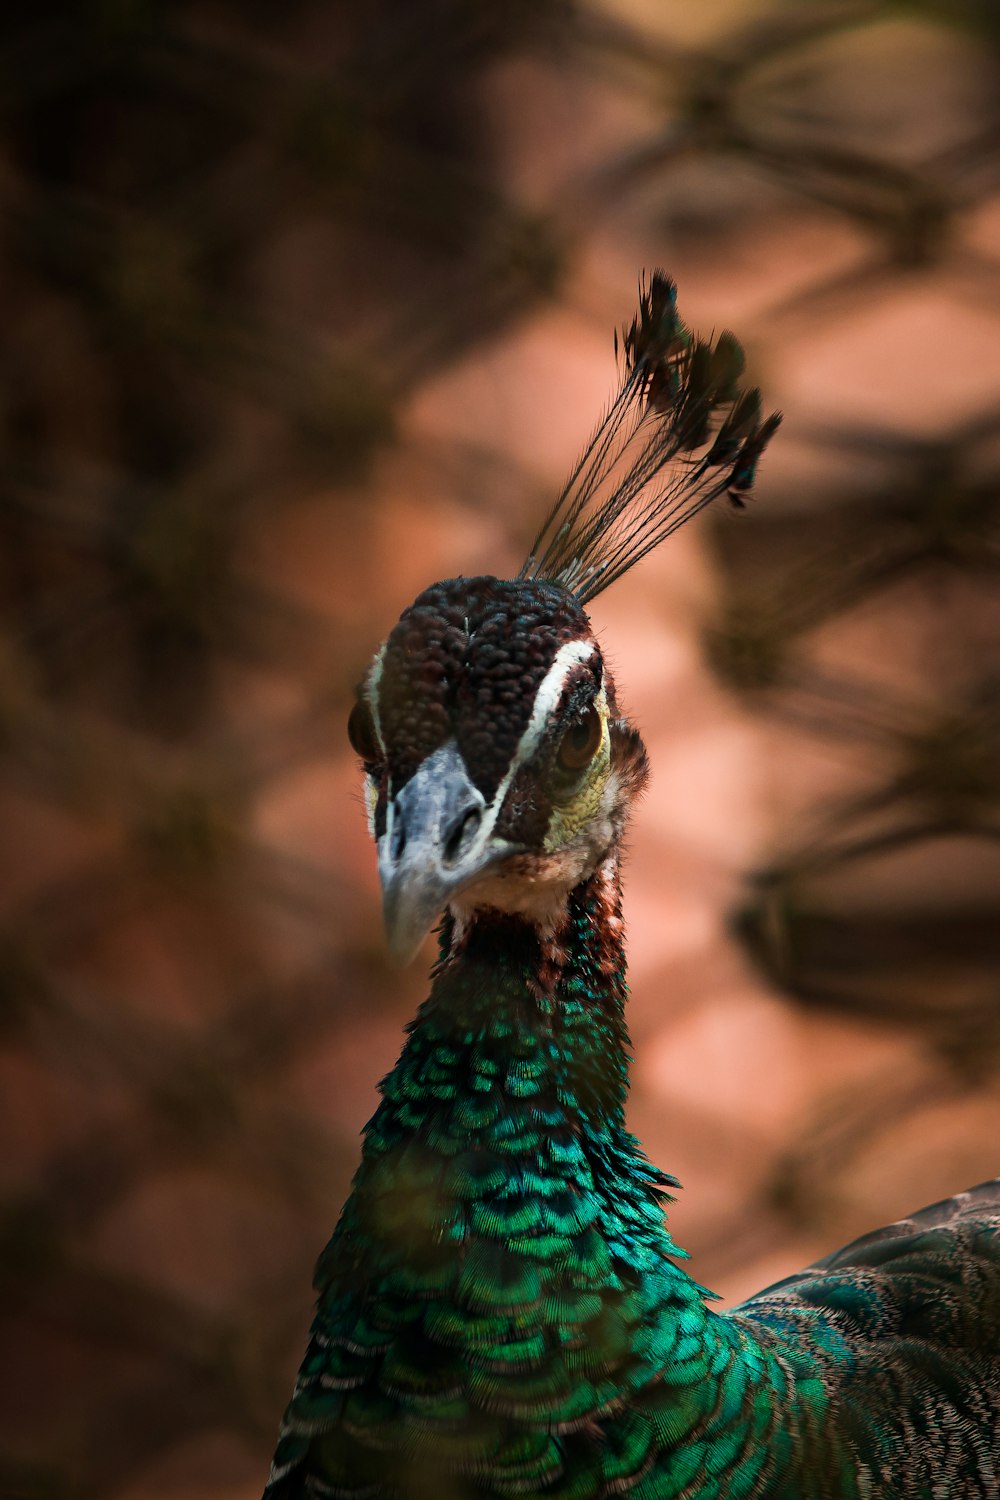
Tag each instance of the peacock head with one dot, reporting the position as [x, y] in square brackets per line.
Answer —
[498, 769]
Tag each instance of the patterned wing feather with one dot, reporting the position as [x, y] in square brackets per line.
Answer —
[905, 1327]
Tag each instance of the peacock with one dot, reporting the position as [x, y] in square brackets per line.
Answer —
[501, 1309]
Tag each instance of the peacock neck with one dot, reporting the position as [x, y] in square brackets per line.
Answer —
[521, 1054]
[556, 996]
[499, 1183]
[501, 1288]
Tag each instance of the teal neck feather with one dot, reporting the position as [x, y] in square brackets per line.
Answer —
[501, 1296]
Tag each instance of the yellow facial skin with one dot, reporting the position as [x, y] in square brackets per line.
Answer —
[584, 804]
[371, 802]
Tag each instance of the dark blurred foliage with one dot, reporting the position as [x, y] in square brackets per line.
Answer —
[155, 157]
[163, 387]
[235, 239]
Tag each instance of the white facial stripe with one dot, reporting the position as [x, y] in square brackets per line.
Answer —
[372, 687]
[549, 692]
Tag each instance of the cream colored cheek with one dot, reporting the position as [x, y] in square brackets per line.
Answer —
[371, 802]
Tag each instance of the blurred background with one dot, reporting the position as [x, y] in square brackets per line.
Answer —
[305, 306]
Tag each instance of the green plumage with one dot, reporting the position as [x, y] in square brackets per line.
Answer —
[501, 1312]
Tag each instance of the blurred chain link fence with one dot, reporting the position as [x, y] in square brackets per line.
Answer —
[238, 245]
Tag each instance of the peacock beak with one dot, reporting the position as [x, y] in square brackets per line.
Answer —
[437, 840]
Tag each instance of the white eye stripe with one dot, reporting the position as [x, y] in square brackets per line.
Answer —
[550, 690]
[371, 693]
[371, 690]
[568, 657]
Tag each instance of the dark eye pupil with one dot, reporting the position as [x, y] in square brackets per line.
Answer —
[361, 733]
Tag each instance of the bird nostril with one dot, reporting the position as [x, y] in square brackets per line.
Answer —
[398, 836]
[462, 832]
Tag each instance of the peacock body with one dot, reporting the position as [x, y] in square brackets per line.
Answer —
[501, 1310]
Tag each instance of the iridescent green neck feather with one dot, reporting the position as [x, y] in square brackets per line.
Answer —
[501, 1311]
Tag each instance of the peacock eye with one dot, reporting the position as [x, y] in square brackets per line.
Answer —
[581, 742]
[361, 733]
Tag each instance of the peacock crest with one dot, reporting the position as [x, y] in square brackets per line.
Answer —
[679, 433]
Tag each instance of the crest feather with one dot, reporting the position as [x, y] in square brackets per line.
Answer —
[679, 433]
